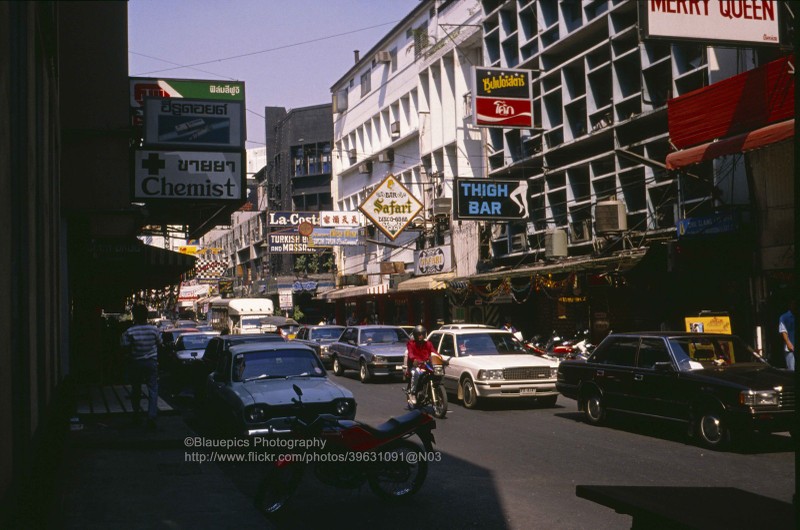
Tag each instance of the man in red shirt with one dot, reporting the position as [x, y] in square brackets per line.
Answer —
[418, 351]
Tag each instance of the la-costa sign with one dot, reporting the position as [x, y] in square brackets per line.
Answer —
[391, 207]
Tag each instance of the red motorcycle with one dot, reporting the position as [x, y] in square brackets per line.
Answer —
[350, 453]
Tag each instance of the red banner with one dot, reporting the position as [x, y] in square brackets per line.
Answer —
[504, 112]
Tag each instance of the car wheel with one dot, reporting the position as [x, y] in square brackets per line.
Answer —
[712, 429]
[364, 373]
[594, 408]
[549, 401]
[337, 367]
[469, 394]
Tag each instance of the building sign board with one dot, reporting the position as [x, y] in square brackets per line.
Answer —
[188, 175]
[144, 87]
[334, 237]
[742, 22]
[292, 219]
[183, 122]
[503, 98]
[391, 207]
[432, 261]
[491, 199]
[285, 299]
[708, 225]
[331, 219]
[288, 242]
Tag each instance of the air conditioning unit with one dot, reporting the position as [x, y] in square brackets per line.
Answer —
[395, 128]
[340, 101]
[519, 243]
[580, 231]
[365, 167]
[555, 243]
[386, 156]
[610, 217]
[383, 57]
[351, 154]
[442, 206]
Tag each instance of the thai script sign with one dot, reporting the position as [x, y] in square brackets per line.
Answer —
[491, 199]
[503, 98]
[334, 237]
[708, 225]
[181, 122]
[188, 175]
[391, 207]
[143, 87]
[735, 21]
[293, 219]
[432, 261]
[328, 218]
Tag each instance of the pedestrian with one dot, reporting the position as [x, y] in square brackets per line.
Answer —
[786, 324]
[141, 342]
[352, 320]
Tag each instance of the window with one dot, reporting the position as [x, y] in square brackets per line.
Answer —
[652, 351]
[393, 53]
[366, 84]
[620, 351]
[420, 35]
[448, 346]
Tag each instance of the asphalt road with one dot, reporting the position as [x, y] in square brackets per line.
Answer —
[515, 465]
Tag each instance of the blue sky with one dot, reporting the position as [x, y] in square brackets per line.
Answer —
[287, 53]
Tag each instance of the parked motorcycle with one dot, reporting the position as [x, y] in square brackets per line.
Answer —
[352, 453]
[430, 394]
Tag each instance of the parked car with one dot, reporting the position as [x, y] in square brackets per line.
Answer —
[373, 350]
[319, 338]
[715, 383]
[284, 326]
[466, 326]
[190, 347]
[252, 387]
[217, 346]
[168, 339]
[490, 363]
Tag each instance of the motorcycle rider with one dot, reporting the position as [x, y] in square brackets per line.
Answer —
[418, 351]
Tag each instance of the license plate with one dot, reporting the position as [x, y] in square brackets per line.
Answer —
[527, 391]
[398, 367]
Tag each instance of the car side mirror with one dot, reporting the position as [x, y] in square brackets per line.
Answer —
[663, 366]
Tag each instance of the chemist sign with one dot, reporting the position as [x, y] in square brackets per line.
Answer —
[491, 199]
[391, 207]
[738, 22]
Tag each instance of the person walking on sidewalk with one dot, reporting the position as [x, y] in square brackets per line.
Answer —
[141, 342]
[786, 327]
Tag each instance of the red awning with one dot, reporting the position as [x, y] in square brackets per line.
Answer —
[735, 144]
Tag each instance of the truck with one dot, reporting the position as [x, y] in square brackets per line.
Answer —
[240, 316]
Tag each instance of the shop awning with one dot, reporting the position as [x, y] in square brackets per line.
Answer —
[345, 292]
[741, 143]
[618, 262]
[434, 282]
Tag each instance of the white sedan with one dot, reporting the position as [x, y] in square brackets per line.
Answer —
[492, 363]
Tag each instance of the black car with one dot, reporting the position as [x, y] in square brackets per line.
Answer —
[715, 383]
[217, 346]
[318, 338]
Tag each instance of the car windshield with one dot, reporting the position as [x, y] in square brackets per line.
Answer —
[251, 321]
[193, 342]
[325, 333]
[489, 344]
[383, 336]
[711, 351]
[276, 364]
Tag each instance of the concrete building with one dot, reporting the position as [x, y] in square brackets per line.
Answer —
[403, 109]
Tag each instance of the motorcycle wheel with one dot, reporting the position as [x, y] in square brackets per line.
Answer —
[439, 401]
[400, 472]
[277, 487]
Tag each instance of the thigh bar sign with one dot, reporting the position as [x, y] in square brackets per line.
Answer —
[491, 199]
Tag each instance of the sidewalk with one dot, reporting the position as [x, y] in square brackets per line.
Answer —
[117, 474]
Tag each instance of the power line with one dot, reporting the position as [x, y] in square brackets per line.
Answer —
[250, 54]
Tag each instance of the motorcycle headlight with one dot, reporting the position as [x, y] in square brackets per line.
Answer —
[758, 397]
[255, 414]
[490, 375]
[438, 369]
[344, 407]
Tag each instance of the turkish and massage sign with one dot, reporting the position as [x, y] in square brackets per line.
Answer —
[391, 207]
[735, 21]
[503, 98]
